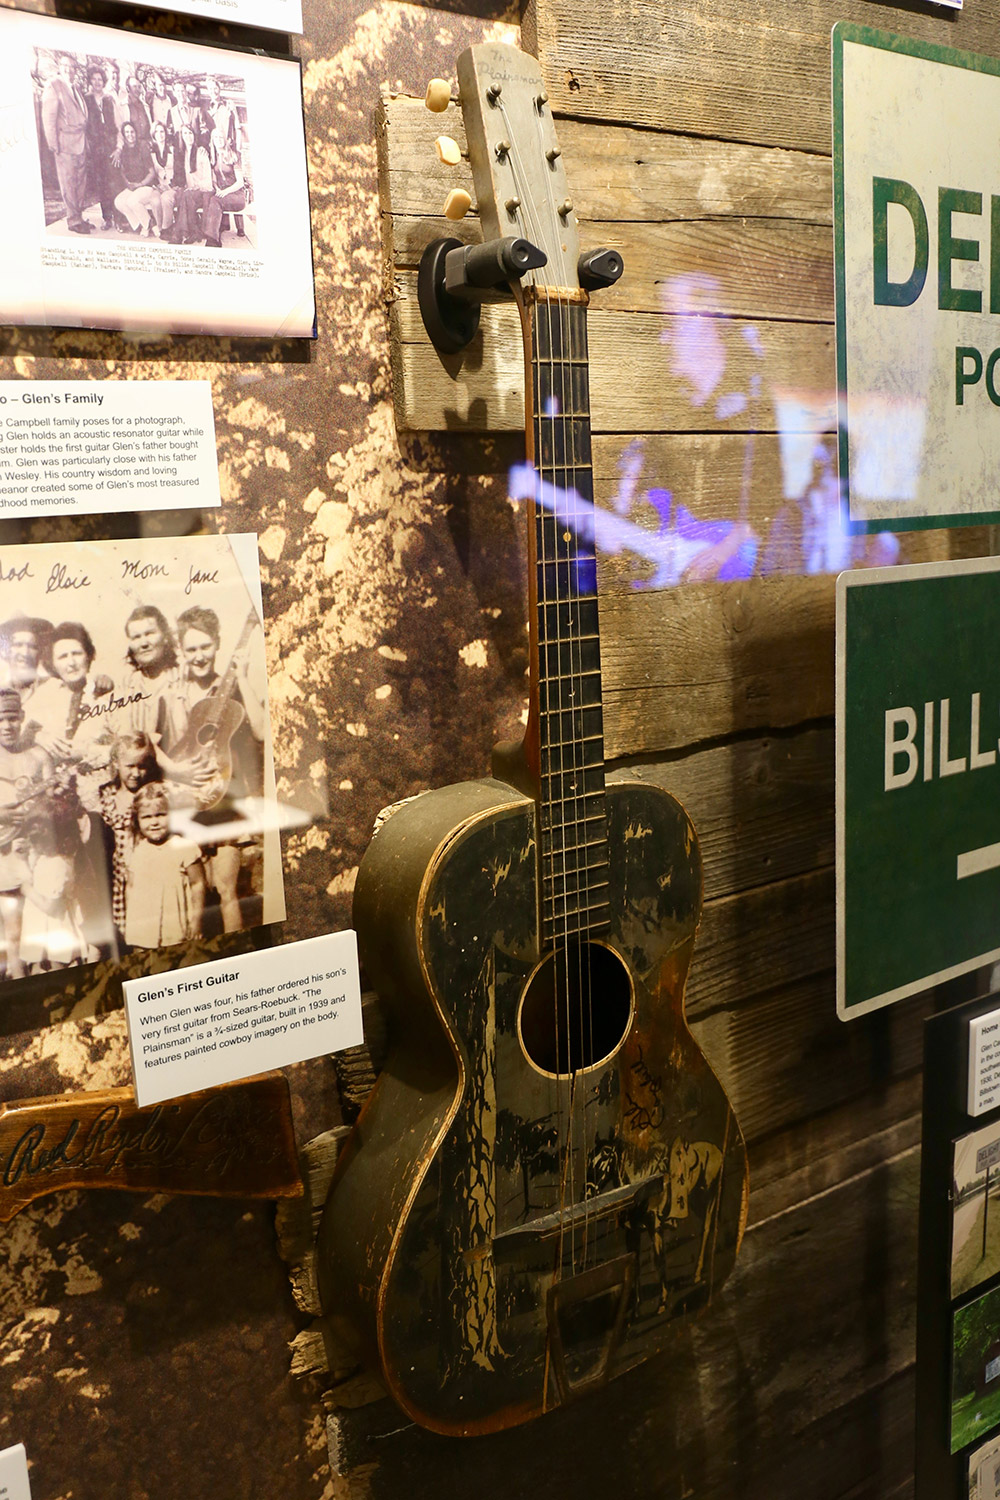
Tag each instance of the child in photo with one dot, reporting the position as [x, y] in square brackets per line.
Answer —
[165, 888]
[133, 762]
[52, 931]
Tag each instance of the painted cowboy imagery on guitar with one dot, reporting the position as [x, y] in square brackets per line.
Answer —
[133, 694]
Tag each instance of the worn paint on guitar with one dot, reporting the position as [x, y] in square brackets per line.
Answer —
[444, 1225]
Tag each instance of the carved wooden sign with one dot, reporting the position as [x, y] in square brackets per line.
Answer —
[234, 1141]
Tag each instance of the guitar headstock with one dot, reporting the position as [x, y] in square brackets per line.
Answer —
[516, 162]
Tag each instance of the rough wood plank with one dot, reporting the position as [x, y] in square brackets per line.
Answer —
[295, 1229]
[737, 70]
[689, 664]
[637, 379]
[813, 1155]
[760, 480]
[751, 268]
[762, 807]
[762, 939]
[741, 254]
[784, 1057]
[615, 173]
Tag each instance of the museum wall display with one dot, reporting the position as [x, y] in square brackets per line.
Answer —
[231, 451]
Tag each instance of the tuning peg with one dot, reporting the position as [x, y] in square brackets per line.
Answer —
[599, 268]
[438, 95]
[457, 204]
[448, 151]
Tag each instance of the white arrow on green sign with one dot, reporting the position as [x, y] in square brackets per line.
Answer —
[918, 778]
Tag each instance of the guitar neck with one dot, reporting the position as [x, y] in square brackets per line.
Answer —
[227, 681]
[566, 727]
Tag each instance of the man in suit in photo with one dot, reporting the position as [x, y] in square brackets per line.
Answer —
[188, 112]
[64, 120]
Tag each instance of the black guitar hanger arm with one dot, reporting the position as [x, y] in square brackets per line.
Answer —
[454, 278]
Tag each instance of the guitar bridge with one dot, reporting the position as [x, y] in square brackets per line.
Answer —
[585, 1314]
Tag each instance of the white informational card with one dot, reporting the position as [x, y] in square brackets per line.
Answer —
[212, 1023]
[269, 15]
[152, 185]
[984, 1063]
[101, 446]
[984, 1471]
[14, 1474]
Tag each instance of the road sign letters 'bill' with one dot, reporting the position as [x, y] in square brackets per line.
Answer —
[917, 236]
[918, 778]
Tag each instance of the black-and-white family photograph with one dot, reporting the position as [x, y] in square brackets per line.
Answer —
[144, 152]
[133, 703]
[160, 185]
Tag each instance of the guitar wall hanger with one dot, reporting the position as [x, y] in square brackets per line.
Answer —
[454, 279]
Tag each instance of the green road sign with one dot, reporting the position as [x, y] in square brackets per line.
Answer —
[916, 236]
[918, 778]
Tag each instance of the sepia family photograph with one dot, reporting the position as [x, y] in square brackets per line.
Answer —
[136, 151]
[135, 750]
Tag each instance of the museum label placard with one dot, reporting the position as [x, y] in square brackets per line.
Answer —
[918, 778]
[97, 447]
[917, 265]
[14, 1474]
[211, 1023]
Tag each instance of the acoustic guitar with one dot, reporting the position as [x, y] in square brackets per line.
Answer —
[212, 722]
[547, 1177]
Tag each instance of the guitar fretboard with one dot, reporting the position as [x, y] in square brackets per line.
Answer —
[573, 817]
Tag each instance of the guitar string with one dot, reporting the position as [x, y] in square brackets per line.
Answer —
[585, 606]
[565, 521]
[558, 823]
[566, 562]
[569, 528]
[564, 1137]
[568, 532]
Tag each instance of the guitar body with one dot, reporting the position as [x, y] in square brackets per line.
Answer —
[211, 726]
[502, 1237]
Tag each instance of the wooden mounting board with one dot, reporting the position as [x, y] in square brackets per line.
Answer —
[235, 1141]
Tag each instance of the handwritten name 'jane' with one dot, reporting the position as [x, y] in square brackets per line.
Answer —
[196, 576]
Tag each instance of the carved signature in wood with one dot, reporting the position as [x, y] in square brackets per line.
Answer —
[235, 1141]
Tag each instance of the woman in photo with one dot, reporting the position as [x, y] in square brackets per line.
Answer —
[165, 169]
[138, 199]
[227, 175]
[66, 715]
[23, 639]
[198, 213]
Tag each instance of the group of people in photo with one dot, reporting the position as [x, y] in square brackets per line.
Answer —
[140, 155]
[95, 766]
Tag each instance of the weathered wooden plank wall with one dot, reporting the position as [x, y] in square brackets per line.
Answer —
[697, 141]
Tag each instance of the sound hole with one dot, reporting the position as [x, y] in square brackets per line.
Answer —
[576, 1009]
